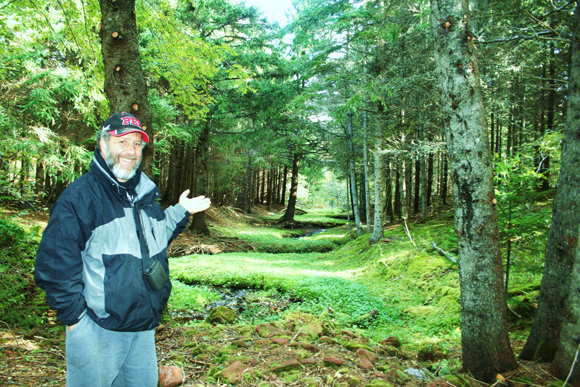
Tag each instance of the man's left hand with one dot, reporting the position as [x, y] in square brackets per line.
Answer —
[193, 205]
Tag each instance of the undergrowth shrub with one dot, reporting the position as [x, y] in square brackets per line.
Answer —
[21, 302]
[350, 302]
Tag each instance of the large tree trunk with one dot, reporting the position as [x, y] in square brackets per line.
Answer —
[125, 84]
[291, 208]
[379, 182]
[198, 223]
[562, 246]
[485, 342]
[566, 361]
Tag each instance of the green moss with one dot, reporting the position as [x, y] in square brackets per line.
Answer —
[378, 383]
[290, 376]
[354, 346]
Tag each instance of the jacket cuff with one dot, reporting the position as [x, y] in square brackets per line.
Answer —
[179, 207]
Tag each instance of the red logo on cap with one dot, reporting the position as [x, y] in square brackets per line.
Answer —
[131, 121]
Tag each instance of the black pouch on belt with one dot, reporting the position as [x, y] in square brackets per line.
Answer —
[155, 275]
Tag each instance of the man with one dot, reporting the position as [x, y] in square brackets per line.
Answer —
[105, 232]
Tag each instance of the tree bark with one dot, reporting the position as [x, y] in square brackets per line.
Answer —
[398, 207]
[366, 171]
[125, 84]
[355, 210]
[562, 246]
[198, 223]
[248, 198]
[444, 180]
[378, 233]
[291, 208]
[485, 342]
[284, 184]
[566, 364]
[389, 211]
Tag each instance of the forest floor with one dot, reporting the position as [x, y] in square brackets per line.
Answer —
[298, 350]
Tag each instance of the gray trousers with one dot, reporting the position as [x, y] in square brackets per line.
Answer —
[97, 357]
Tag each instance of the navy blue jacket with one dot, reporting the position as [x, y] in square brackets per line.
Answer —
[90, 256]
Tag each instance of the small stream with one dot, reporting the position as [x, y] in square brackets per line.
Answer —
[249, 304]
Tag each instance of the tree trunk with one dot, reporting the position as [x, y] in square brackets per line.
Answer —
[125, 84]
[359, 230]
[198, 224]
[39, 181]
[366, 180]
[484, 336]
[291, 208]
[430, 166]
[562, 246]
[550, 112]
[444, 180]
[491, 136]
[270, 181]
[403, 186]
[398, 207]
[567, 361]
[284, 184]
[390, 212]
[378, 233]
[248, 198]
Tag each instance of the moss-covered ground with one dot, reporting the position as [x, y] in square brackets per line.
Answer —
[401, 286]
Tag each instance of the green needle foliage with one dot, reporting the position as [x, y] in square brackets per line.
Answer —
[23, 304]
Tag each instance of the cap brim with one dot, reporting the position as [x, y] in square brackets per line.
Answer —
[143, 134]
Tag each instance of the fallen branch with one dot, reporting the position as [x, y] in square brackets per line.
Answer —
[409, 233]
[445, 254]
[572, 368]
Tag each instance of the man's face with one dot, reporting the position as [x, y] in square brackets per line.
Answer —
[123, 155]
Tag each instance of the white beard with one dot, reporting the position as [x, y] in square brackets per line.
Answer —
[113, 164]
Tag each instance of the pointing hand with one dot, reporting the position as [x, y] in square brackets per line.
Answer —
[193, 205]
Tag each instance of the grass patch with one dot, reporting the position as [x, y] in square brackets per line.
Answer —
[271, 240]
[185, 297]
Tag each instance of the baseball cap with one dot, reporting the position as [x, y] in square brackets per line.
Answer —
[120, 124]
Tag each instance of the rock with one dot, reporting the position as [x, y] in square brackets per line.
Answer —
[306, 346]
[364, 363]
[416, 373]
[353, 346]
[170, 376]
[361, 352]
[221, 315]
[270, 330]
[234, 373]
[287, 366]
[329, 360]
[308, 361]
